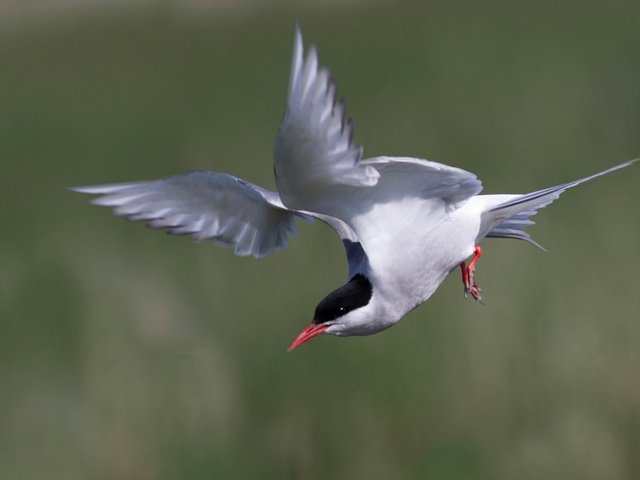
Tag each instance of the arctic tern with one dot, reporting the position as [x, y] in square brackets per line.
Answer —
[405, 223]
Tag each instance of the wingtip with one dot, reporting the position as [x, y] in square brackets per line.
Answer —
[298, 45]
[103, 189]
[82, 189]
[296, 59]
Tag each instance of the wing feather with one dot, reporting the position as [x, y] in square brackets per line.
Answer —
[314, 147]
[206, 205]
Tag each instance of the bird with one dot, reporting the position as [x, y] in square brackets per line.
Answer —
[405, 223]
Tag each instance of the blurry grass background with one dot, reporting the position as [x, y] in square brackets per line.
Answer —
[127, 354]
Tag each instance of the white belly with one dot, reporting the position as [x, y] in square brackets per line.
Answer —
[416, 252]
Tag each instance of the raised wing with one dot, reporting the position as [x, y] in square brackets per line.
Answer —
[314, 148]
[206, 205]
[318, 168]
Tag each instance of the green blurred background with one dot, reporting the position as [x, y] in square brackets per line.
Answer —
[126, 354]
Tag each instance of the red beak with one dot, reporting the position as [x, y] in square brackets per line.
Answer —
[307, 334]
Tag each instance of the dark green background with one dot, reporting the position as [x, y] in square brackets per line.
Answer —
[126, 354]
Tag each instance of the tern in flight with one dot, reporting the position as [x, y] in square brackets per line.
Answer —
[405, 223]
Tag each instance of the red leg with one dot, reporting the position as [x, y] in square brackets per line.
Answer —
[470, 286]
[465, 276]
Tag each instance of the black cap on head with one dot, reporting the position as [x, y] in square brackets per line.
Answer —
[354, 294]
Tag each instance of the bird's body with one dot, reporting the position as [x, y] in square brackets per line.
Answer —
[406, 223]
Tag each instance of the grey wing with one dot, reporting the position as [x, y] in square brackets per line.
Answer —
[318, 168]
[206, 205]
[314, 151]
[425, 179]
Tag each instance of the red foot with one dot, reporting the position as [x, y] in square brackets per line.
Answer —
[470, 285]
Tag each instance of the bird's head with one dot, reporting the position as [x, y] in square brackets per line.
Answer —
[345, 311]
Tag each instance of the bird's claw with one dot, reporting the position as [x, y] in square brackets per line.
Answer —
[475, 292]
[470, 285]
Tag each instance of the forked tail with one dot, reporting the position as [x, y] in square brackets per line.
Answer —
[509, 218]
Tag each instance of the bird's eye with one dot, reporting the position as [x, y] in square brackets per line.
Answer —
[342, 309]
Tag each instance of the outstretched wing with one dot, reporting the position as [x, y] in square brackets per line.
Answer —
[206, 205]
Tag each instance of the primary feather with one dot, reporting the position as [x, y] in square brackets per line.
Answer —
[206, 205]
